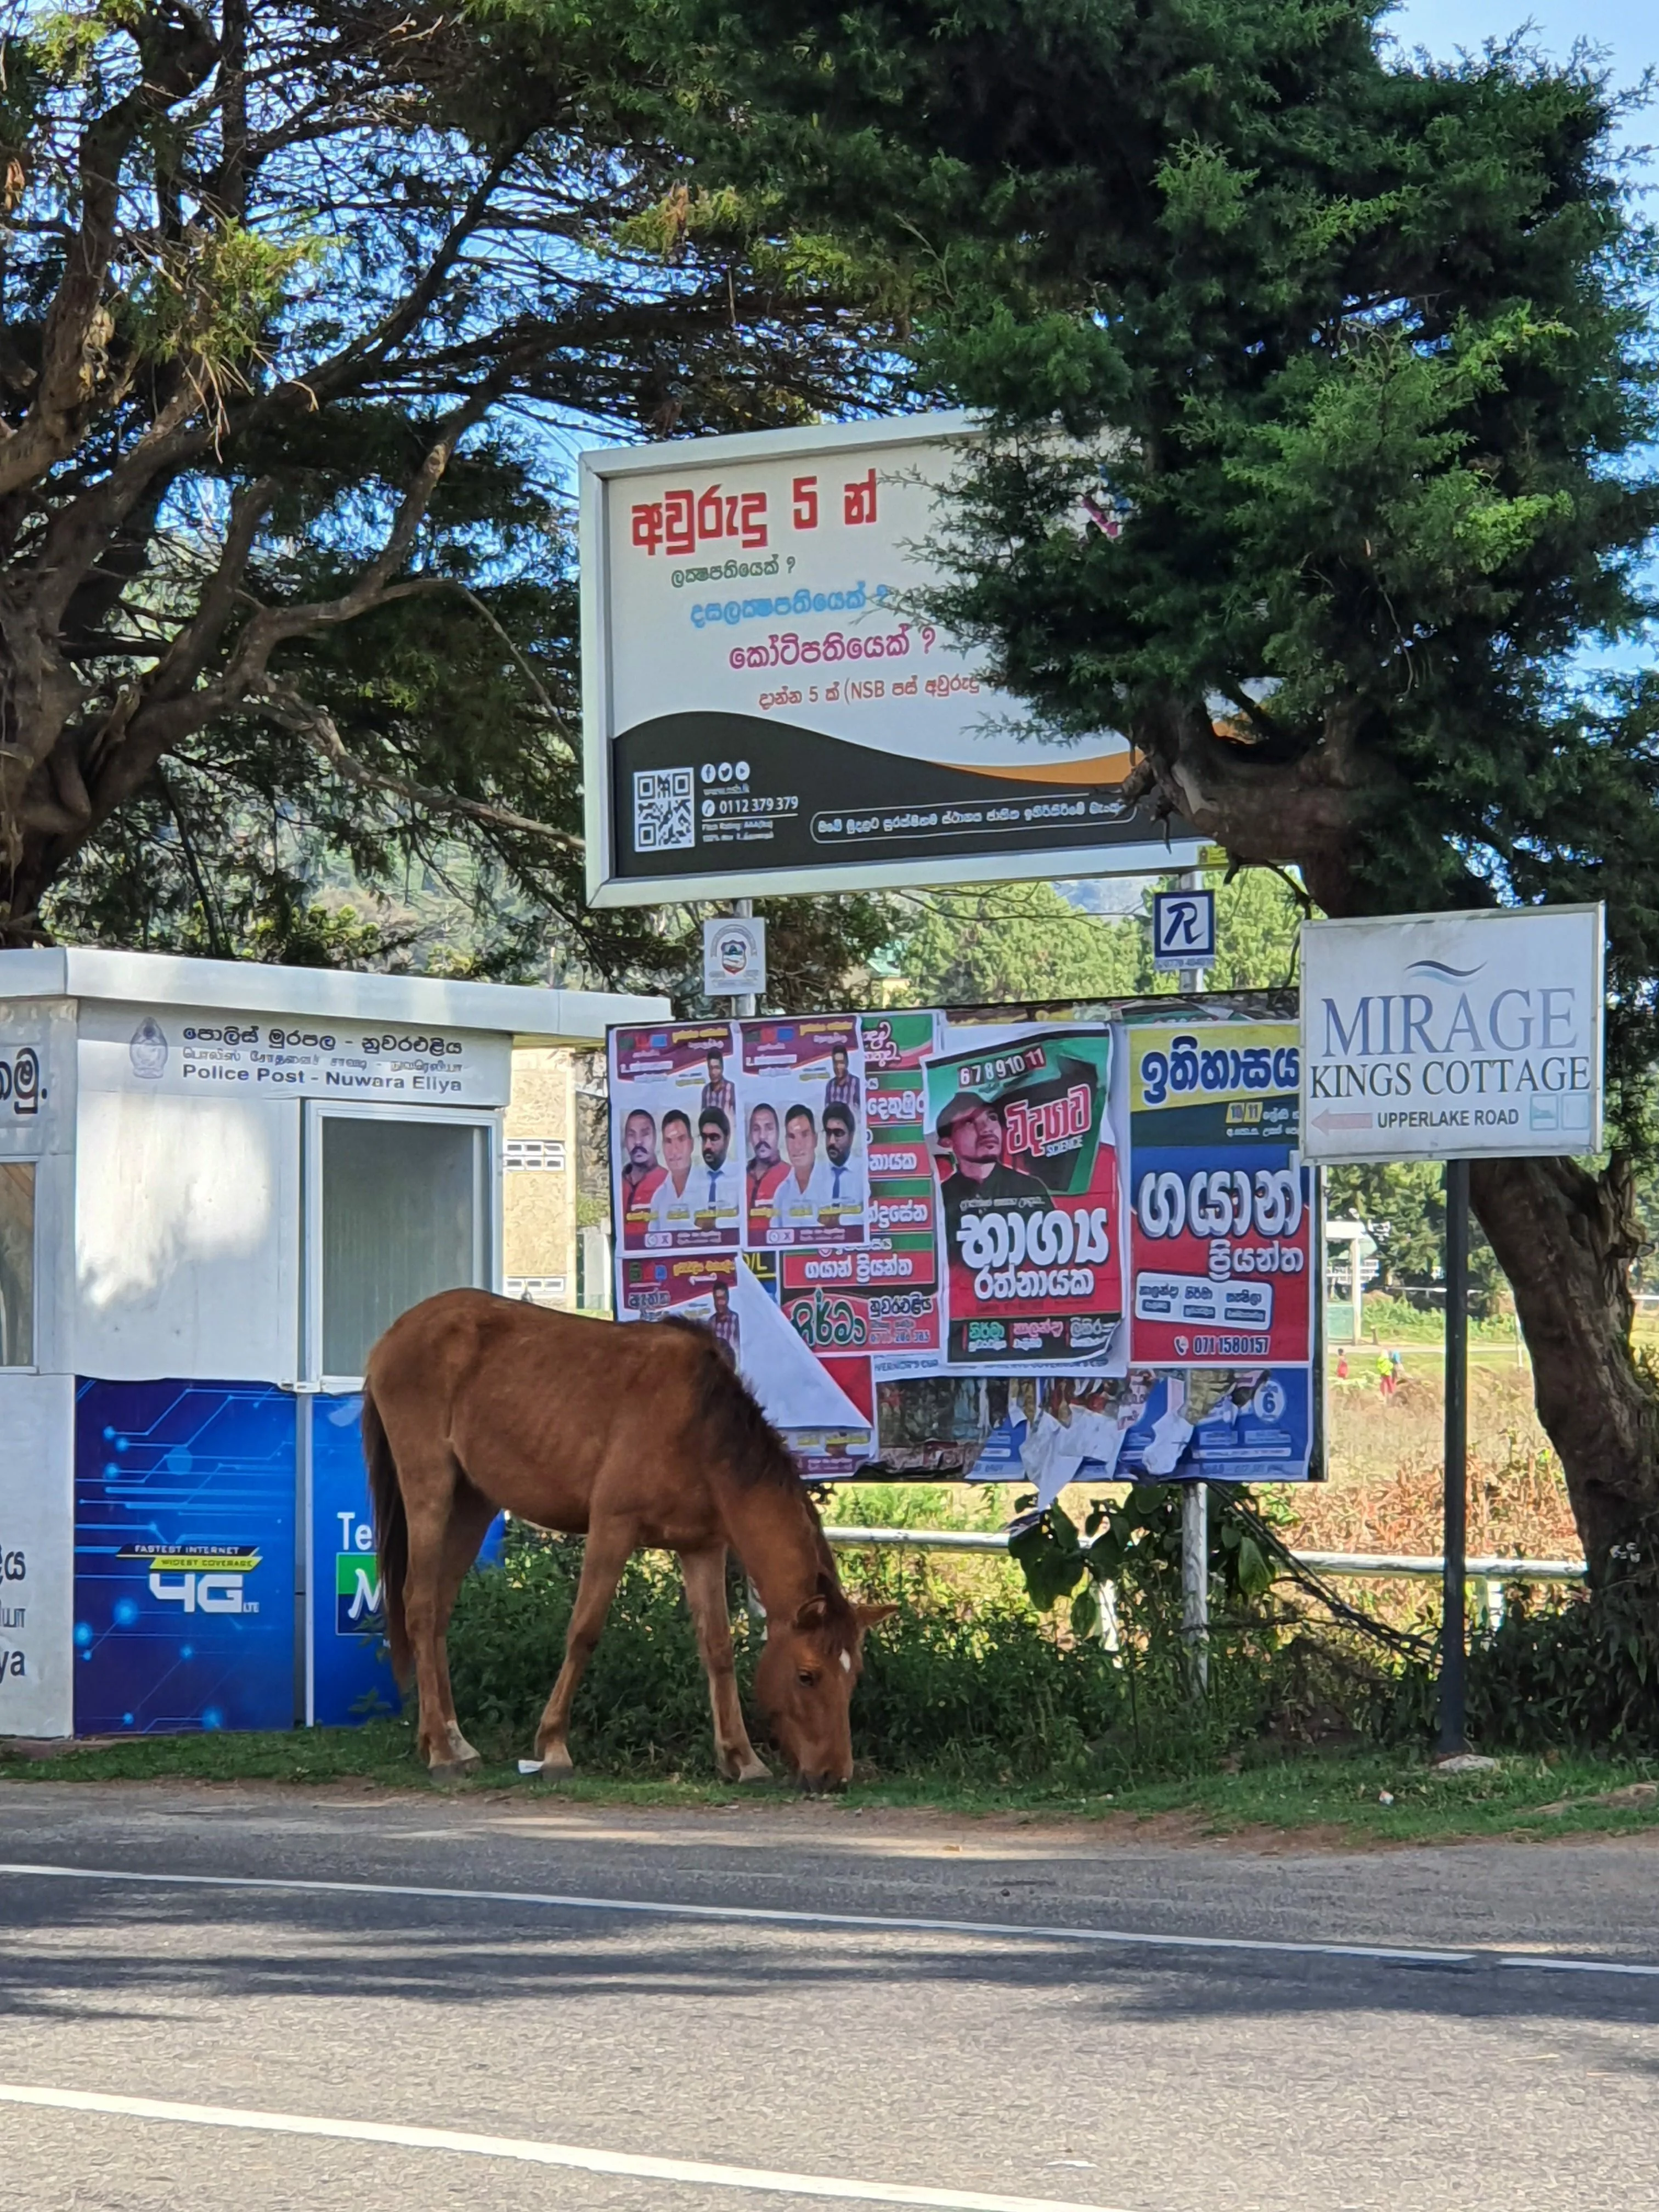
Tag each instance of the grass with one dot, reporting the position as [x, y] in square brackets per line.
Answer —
[1330, 1798]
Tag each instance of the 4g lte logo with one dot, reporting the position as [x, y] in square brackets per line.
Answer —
[199, 1578]
[202, 1592]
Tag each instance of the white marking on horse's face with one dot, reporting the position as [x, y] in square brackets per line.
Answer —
[845, 1663]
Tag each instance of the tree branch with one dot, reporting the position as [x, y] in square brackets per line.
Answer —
[69, 379]
[317, 726]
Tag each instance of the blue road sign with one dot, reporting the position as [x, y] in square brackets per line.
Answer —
[1183, 929]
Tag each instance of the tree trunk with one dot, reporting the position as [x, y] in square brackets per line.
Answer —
[1565, 1240]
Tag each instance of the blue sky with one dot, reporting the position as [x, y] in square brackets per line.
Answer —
[1627, 29]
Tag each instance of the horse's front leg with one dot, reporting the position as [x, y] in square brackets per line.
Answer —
[705, 1589]
[604, 1557]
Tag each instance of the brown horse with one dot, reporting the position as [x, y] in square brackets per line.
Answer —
[633, 1436]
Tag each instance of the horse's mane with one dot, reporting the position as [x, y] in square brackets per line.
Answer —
[736, 1432]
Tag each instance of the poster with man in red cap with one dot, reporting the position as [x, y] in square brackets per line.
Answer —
[1021, 1137]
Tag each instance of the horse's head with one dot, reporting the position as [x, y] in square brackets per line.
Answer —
[803, 1683]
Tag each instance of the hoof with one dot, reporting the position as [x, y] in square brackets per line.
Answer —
[454, 1769]
[557, 1764]
[751, 1770]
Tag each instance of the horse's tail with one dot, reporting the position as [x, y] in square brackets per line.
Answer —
[390, 1531]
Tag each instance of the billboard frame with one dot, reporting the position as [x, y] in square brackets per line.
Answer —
[598, 468]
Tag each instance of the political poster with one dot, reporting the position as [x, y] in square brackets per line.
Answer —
[805, 1162]
[1222, 1209]
[677, 1180]
[1051, 1246]
[1156, 1426]
[685, 1286]
[1027, 1169]
[904, 1308]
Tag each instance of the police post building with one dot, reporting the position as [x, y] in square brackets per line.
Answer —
[219, 1182]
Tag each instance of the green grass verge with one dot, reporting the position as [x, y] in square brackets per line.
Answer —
[1331, 1798]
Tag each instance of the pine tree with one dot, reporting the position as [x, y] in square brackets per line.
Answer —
[303, 308]
[1318, 383]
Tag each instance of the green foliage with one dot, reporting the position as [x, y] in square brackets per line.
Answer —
[1028, 944]
[946, 1689]
[1133, 1541]
[1562, 1672]
[1021, 944]
[295, 414]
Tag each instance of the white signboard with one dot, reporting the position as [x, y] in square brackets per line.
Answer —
[37, 1055]
[1183, 931]
[202, 1052]
[733, 956]
[37, 1554]
[766, 708]
[1452, 1036]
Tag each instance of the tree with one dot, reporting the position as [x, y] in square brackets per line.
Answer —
[1354, 355]
[1016, 944]
[301, 307]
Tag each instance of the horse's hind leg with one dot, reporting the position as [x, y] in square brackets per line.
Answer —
[430, 1481]
[469, 1516]
[604, 1557]
[705, 1589]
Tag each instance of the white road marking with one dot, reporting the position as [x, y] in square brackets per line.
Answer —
[1545, 1964]
[768, 1916]
[690, 2172]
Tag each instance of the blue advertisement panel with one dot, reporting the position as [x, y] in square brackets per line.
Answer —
[1199, 1425]
[350, 1670]
[184, 1557]
[351, 1678]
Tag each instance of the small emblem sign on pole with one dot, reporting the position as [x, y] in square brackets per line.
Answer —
[734, 957]
[1183, 931]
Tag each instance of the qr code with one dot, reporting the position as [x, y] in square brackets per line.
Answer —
[663, 817]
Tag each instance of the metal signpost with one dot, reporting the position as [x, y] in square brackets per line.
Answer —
[1453, 1036]
[767, 706]
[1183, 939]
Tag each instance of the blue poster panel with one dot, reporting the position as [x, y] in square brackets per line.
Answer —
[1252, 1424]
[184, 1557]
[350, 1670]
[351, 1678]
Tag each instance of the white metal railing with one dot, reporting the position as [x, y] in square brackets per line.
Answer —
[1381, 1564]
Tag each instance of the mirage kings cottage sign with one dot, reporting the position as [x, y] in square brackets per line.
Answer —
[1453, 1036]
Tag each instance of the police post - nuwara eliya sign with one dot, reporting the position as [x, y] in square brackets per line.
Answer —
[874, 1202]
[767, 703]
[1453, 1036]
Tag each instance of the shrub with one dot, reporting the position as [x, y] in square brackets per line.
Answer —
[978, 1686]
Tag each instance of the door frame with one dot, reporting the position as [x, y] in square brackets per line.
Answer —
[317, 1110]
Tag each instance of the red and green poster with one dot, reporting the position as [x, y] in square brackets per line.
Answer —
[1222, 1247]
[1027, 1181]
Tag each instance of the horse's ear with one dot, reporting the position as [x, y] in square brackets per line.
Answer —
[814, 1613]
[872, 1616]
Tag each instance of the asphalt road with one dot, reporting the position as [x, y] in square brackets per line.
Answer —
[1052, 2062]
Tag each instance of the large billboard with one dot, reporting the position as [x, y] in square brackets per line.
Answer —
[1036, 1244]
[767, 706]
